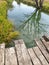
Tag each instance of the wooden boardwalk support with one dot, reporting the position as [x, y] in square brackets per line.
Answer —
[20, 55]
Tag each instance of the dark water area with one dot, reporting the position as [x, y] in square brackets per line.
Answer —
[30, 22]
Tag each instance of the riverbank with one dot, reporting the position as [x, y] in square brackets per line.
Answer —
[32, 3]
[45, 4]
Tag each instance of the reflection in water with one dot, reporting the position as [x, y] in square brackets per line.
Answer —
[35, 25]
[18, 1]
[32, 28]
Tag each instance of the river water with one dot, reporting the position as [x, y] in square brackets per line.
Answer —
[30, 22]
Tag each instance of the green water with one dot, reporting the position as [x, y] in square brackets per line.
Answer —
[30, 22]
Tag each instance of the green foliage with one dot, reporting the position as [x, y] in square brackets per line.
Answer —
[46, 7]
[3, 8]
[32, 3]
[12, 35]
[9, 1]
[7, 32]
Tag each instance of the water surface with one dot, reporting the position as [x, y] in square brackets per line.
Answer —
[31, 23]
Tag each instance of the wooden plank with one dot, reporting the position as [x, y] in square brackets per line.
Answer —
[40, 56]
[10, 56]
[46, 44]
[23, 56]
[19, 53]
[46, 37]
[42, 49]
[34, 58]
[2, 49]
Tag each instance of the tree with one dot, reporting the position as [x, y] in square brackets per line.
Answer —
[36, 3]
[39, 3]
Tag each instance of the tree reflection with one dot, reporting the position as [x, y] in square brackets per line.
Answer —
[18, 1]
[32, 27]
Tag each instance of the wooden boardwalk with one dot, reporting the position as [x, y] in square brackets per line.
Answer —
[20, 55]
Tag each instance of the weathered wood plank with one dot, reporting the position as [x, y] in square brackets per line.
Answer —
[10, 56]
[2, 49]
[19, 53]
[46, 44]
[23, 56]
[34, 58]
[42, 49]
[40, 56]
[46, 37]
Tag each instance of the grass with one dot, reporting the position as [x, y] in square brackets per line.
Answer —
[7, 32]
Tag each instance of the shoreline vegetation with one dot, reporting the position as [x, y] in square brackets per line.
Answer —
[45, 7]
[32, 3]
[7, 32]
